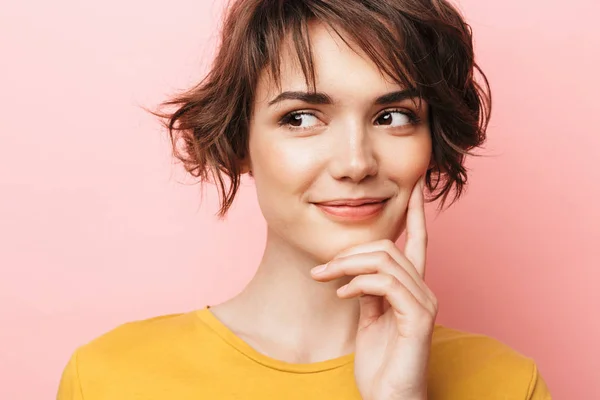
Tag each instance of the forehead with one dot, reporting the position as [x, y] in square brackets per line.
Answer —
[342, 69]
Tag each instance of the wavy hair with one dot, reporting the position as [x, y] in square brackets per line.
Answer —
[422, 44]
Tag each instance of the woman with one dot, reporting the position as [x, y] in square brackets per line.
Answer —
[343, 112]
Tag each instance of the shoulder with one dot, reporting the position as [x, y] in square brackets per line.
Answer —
[479, 366]
[140, 336]
[128, 350]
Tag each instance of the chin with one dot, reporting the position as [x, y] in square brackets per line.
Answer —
[324, 247]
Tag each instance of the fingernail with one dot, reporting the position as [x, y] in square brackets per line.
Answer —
[318, 269]
[343, 289]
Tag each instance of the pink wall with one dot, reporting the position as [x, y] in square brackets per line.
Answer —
[96, 230]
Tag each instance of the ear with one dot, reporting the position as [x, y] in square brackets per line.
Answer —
[245, 166]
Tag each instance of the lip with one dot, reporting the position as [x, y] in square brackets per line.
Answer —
[353, 202]
[353, 209]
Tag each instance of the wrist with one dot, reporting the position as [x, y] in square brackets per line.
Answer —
[415, 396]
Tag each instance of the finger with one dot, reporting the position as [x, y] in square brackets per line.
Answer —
[393, 250]
[397, 295]
[371, 263]
[415, 248]
[370, 309]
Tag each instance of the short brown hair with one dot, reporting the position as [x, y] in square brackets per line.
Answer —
[422, 44]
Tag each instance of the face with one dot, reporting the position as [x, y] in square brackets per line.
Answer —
[337, 169]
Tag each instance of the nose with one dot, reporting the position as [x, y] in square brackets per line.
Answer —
[353, 154]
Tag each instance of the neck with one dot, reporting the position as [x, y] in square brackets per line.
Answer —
[284, 312]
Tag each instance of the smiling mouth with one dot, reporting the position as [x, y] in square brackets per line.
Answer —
[353, 209]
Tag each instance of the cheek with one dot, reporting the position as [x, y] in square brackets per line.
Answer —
[407, 160]
[283, 170]
[283, 167]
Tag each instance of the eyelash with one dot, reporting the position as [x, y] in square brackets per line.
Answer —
[412, 117]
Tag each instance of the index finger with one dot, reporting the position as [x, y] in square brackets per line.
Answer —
[415, 248]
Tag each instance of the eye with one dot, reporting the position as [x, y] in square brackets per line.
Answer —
[299, 120]
[396, 118]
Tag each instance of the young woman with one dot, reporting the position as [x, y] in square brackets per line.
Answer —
[343, 112]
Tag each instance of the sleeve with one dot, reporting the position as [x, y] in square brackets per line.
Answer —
[70, 387]
[538, 390]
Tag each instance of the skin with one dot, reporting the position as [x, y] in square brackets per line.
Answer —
[349, 148]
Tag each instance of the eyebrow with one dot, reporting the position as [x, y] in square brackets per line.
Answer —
[323, 98]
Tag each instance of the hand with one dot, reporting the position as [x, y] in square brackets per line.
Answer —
[397, 309]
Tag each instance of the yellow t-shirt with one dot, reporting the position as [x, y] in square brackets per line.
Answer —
[194, 356]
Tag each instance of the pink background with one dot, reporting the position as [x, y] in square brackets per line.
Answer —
[97, 229]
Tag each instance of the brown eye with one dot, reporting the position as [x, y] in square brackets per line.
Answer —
[394, 119]
[300, 120]
[296, 120]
